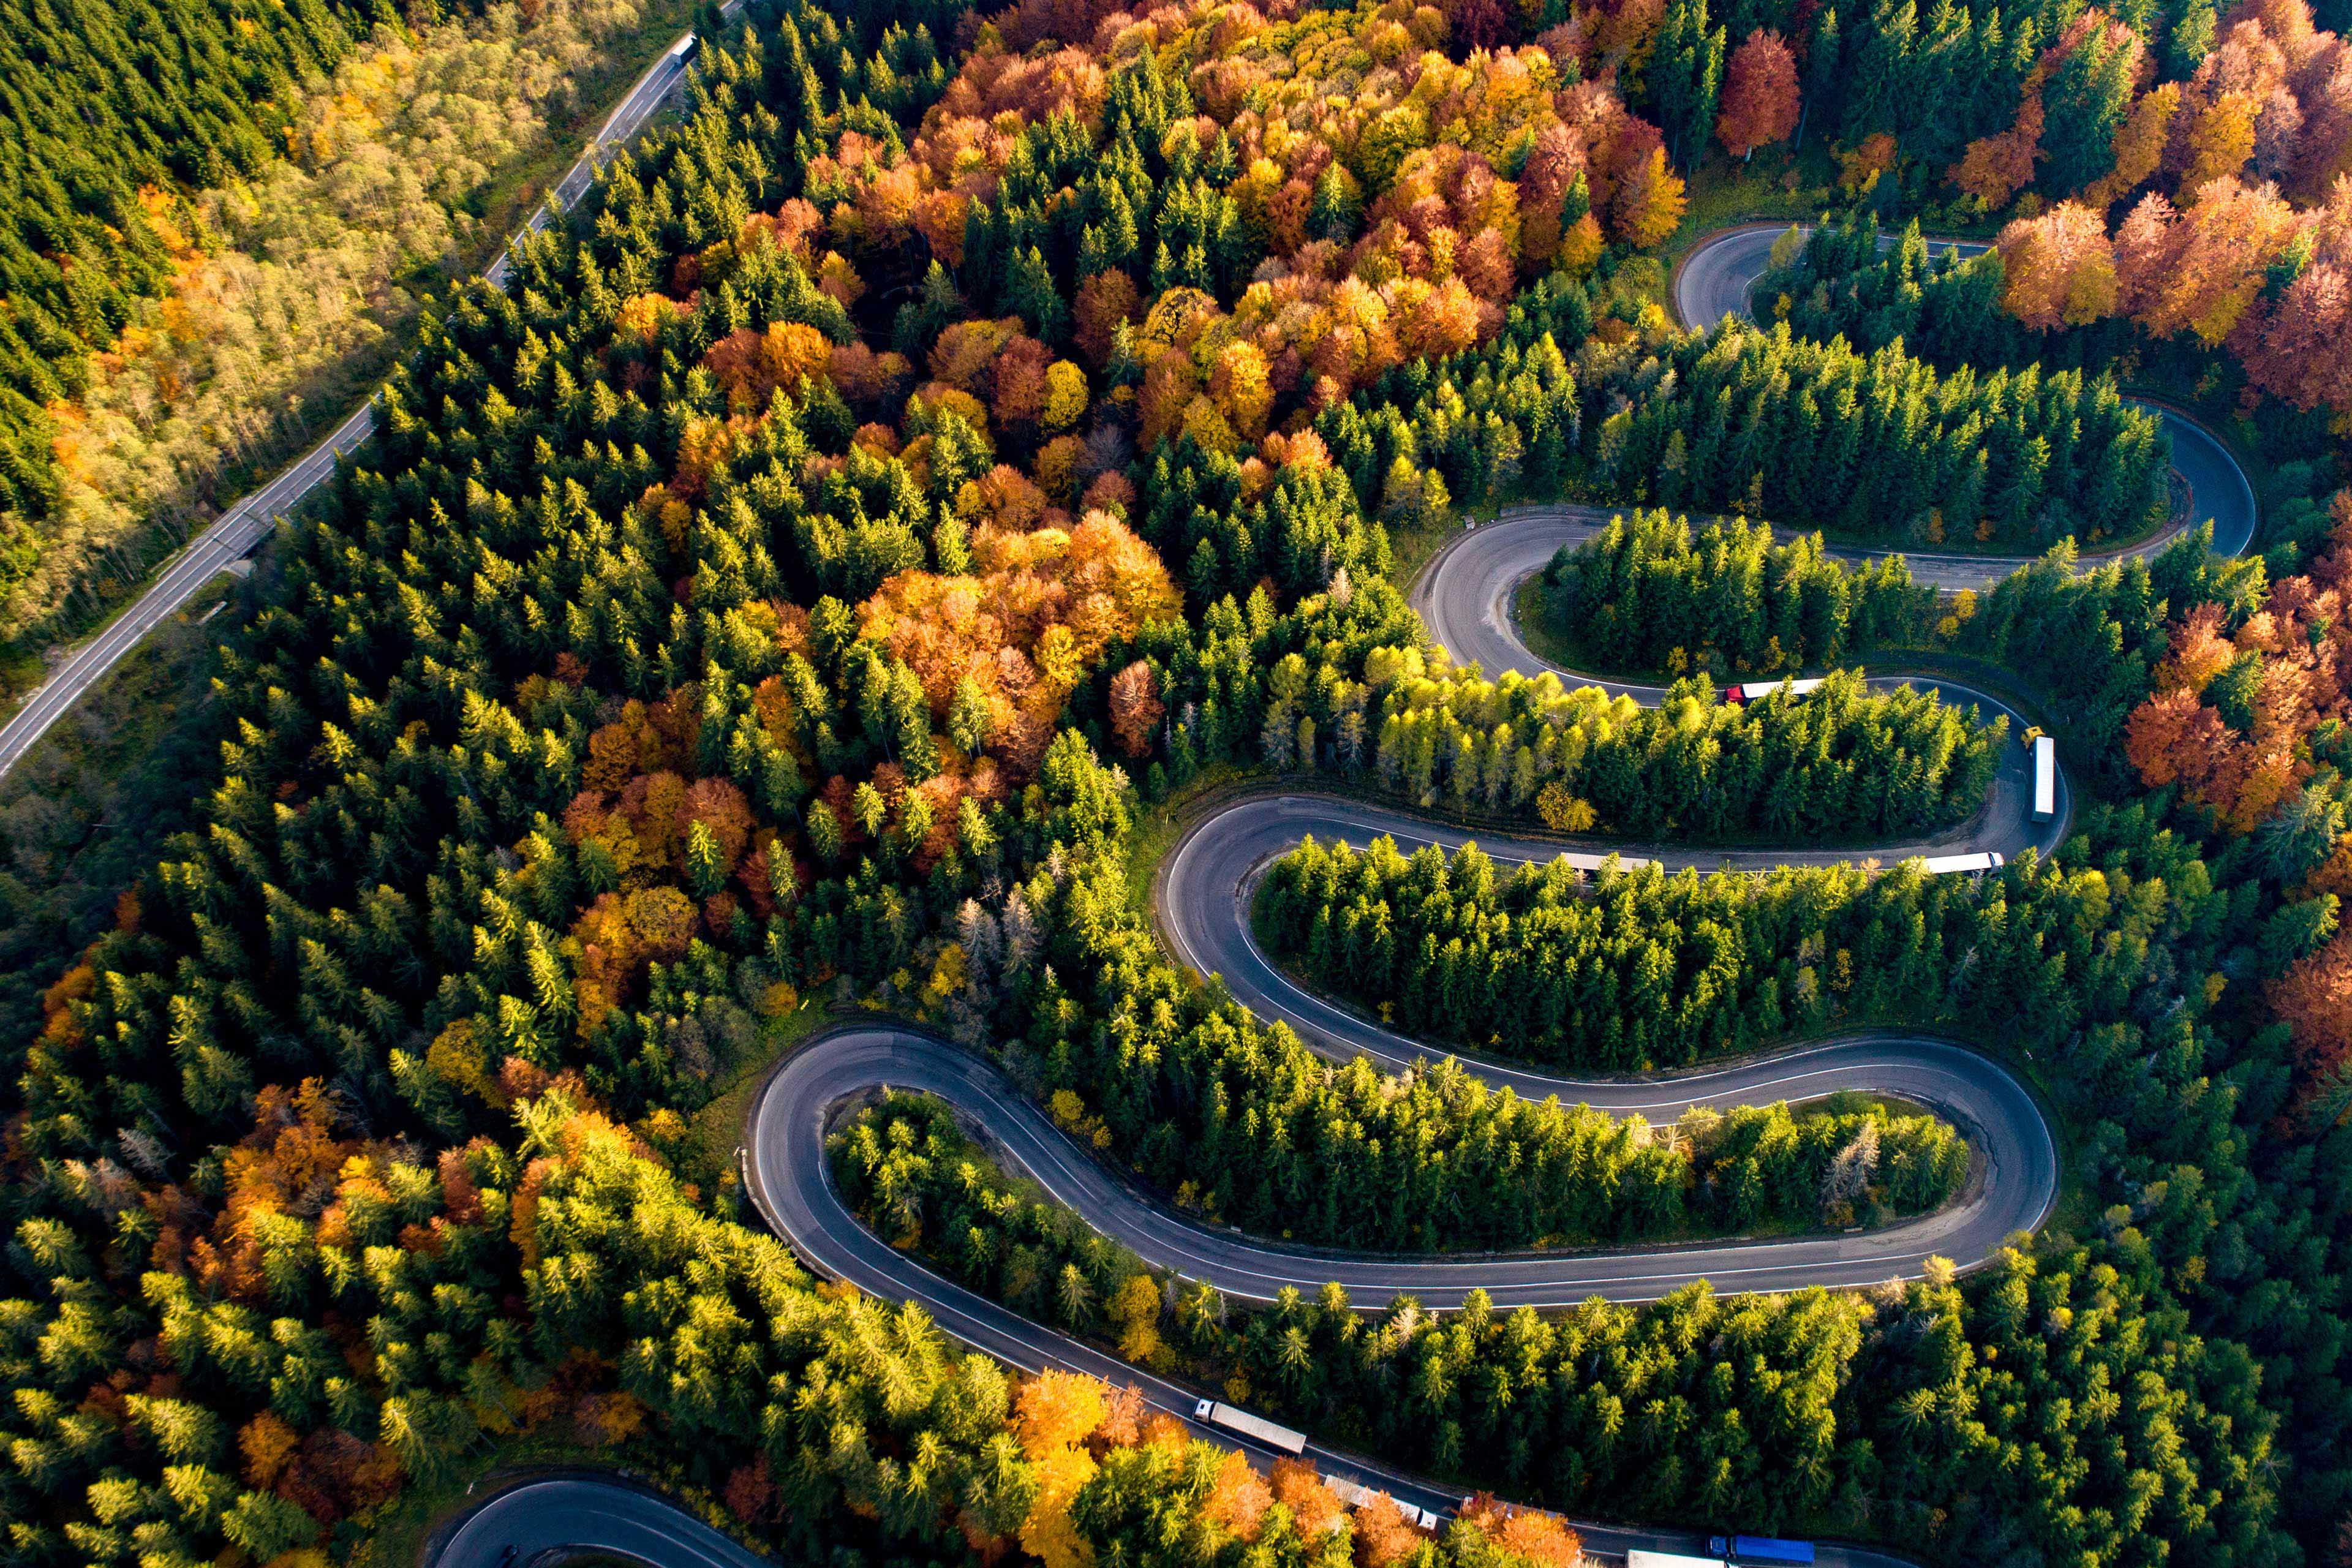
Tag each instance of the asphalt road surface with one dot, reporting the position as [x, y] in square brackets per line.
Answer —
[791, 1183]
[244, 525]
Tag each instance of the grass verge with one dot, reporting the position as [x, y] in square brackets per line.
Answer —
[405, 1524]
[1539, 628]
[717, 1130]
[95, 801]
[1158, 827]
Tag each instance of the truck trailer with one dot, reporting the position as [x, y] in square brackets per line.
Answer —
[1757, 690]
[1354, 1494]
[1255, 1427]
[2045, 778]
[1745, 1549]
[1972, 864]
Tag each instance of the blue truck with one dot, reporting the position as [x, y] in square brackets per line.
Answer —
[1760, 1549]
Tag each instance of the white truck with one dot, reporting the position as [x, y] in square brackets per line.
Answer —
[1255, 1427]
[1640, 1559]
[2045, 778]
[1757, 690]
[1974, 865]
[1359, 1496]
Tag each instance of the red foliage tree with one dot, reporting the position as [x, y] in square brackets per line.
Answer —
[1135, 706]
[751, 1493]
[1484, 23]
[1104, 301]
[2301, 348]
[2313, 999]
[1760, 95]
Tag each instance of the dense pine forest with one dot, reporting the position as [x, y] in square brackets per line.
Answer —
[963, 447]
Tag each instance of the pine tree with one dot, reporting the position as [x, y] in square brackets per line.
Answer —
[1683, 76]
[1822, 64]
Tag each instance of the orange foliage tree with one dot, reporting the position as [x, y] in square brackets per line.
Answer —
[751, 365]
[2138, 146]
[1024, 625]
[2196, 272]
[1995, 168]
[2313, 999]
[2060, 267]
[2231, 709]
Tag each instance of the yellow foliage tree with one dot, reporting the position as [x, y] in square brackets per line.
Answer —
[1581, 246]
[1563, 812]
[1651, 206]
[2219, 143]
[1057, 1409]
[1136, 1310]
[2138, 146]
[1049, 1534]
[1242, 391]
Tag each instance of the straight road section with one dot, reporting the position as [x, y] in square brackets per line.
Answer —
[244, 525]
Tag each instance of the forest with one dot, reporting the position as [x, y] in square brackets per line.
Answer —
[192, 276]
[1650, 593]
[957, 441]
[1647, 596]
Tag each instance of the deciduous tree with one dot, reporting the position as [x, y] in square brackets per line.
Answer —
[1760, 95]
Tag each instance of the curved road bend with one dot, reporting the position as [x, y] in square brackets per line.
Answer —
[1467, 592]
[244, 525]
[565, 1516]
[1716, 279]
[792, 1183]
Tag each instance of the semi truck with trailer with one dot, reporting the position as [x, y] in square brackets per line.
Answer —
[1255, 1427]
[1357, 1495]
[1757, 690]
[1762, 1549]
[2045, 778]
[1971, 865]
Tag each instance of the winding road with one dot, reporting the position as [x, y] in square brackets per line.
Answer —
[238, 529]
[1203, 903]
[1465, 593]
